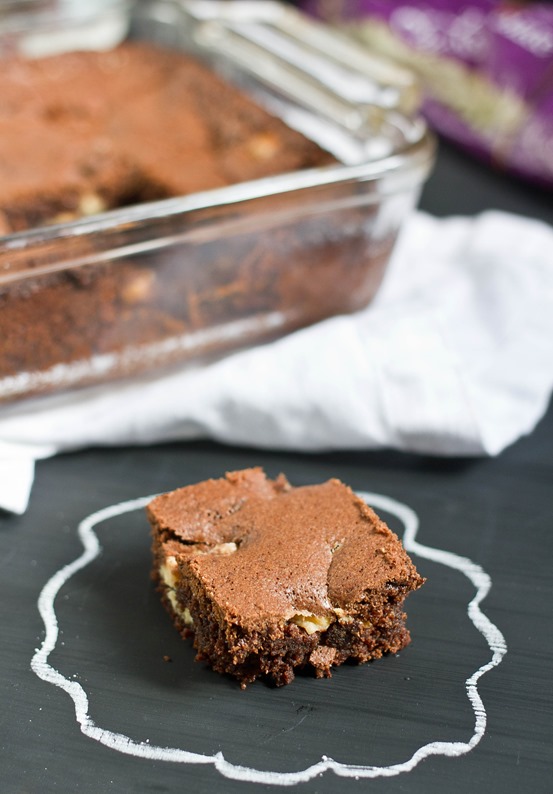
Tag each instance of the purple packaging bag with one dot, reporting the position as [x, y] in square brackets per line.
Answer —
[486, 67]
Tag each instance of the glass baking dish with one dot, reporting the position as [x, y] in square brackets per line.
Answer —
[177, 280]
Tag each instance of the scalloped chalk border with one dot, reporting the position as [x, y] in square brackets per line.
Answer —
[124, 744]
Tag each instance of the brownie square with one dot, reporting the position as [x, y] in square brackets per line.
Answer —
[269, 579]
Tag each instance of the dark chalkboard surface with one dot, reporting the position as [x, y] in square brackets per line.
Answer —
[93, 703]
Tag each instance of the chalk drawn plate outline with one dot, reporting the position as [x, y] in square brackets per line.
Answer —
[123, 744]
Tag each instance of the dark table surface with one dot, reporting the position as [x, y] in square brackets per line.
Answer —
[114, 638]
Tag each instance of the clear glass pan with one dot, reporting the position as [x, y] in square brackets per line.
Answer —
[175, 280]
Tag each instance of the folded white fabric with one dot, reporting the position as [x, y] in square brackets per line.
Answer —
[454, 357]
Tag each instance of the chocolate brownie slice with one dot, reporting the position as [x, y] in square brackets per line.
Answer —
[269, 578]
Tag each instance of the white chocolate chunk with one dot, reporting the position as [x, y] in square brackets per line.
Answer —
[91, 204]
[263, 146]
[223, 548]
[182, 612]
[139, 288]
[342, 615]
[311, 623]
[167, 572]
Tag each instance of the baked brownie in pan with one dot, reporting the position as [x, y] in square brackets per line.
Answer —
[84, 132]
[140, 123]
[298, 272]
[269, 579]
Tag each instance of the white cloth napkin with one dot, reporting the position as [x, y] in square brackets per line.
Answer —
[454, 357]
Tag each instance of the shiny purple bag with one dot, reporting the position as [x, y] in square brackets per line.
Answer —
[486, 68]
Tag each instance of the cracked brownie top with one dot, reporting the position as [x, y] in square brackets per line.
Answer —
[264, 551]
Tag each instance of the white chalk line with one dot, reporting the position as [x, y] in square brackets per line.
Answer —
[123, 744]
